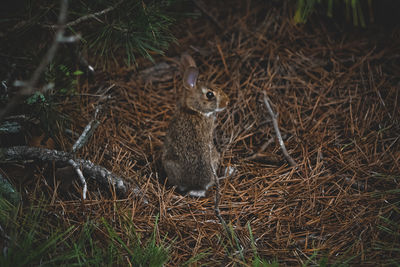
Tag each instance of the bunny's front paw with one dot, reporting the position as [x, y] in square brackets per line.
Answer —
[197, 193]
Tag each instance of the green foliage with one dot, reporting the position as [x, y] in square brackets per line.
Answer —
[316, 260]
[43, 107]
[89, 250]
[111, 31]
[37, 98]
[141, 254]
[389, 223]
[304, 9]
[132, 28]
[62, 78]
[321, 259]
[196, 258]
[34, 240]
[30, 239]
[8, 192]
[354, 9]
[257, 260]
[61, 81]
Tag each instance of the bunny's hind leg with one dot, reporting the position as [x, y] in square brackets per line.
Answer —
[173, 170]
[201, 192]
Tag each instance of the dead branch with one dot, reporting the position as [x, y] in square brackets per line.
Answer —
[82, 140]
[91, 16]
[98, 173]
[87, 132]
[274, 117]
[81, 177]
[29, 87]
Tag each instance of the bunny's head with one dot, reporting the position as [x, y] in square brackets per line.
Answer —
[200, 97]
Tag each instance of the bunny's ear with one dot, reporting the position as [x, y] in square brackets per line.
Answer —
[190, 77]
[187, 61]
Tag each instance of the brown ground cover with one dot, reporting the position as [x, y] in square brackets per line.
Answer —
[337, 95]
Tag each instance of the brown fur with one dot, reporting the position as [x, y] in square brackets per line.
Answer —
[189, 155]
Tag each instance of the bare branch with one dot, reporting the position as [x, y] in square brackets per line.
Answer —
[92, 125]
[278, 132]
[100, 174]
[82, 140]
[86, 134]
[81, 177]
[90, 16]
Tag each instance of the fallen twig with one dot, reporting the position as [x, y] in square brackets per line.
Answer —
[98, 173]
[83, 139]
[81, 177]
[278, 132]
[87, 132]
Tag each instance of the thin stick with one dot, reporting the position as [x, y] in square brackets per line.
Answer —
[278, 132]
[81, 177]
[87, 132]
[82, 140]
[87, 17]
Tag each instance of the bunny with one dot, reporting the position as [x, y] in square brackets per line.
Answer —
[189, 156]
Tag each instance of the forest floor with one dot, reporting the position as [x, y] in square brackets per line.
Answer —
[337, 95]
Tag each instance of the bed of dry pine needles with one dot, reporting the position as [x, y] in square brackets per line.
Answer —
[337, 96]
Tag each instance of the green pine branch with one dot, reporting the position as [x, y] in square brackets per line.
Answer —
[131, 29]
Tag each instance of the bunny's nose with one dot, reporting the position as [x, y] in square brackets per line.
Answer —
[224, 102]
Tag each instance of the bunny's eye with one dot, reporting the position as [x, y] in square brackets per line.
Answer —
[210, 95]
